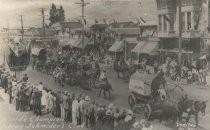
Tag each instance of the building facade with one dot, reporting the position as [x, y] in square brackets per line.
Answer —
[194, 28]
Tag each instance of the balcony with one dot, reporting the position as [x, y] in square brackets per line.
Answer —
[167, 34]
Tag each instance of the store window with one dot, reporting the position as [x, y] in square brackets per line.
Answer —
[160, 22]
[183, 21]
[189, 22]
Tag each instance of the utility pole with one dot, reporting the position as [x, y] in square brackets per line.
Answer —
[83, 4]
[43, 22]
[22, 31]
[180, 31]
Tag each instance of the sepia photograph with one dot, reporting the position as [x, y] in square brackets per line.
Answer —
[104, 64]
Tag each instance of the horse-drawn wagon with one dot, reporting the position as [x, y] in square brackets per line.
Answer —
[172, 106]
[140, 89]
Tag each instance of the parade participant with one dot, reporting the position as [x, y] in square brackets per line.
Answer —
[75, 105]
[103, 76]
[156, 83]
[25, 78]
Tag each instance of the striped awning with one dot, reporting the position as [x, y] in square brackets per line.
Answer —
[117, 46]
[146, 47]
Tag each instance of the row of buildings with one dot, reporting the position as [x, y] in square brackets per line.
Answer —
[144, 38]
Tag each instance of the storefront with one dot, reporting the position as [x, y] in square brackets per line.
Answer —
[145, 49]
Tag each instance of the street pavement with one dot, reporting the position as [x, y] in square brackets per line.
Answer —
[119, 94]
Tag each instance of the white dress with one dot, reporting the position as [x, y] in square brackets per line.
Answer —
[44, 97]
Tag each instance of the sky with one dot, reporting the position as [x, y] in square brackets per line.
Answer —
[121, 10]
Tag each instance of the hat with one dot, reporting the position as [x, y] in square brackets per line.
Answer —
[108, 112]
[87, 98]
[130, 112]
[136, 125]
[111, 106]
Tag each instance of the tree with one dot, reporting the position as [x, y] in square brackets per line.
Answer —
[56, 15]
[61, 14]
[53, 14]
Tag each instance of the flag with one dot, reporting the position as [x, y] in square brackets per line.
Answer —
[167, 18]
[142, 20]
[84, 21]
[96, 21]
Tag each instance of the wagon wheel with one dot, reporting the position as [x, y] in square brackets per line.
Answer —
[147, 111]
[131, 101]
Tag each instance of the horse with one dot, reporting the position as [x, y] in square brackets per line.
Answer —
[120, 67]
[105, 86]
[191, 107]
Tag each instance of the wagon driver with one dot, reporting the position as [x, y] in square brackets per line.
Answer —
[158, 87]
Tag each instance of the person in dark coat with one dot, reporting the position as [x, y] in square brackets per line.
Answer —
[2, 80]
[25, 78]
[21, 99]
[158, 81]
[10, 92]
[6, 83]
[100, 118]
[108, 121]
[37, 102]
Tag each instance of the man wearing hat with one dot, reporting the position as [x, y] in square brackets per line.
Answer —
[75, 105]
[86, 110]
[129, 116]
[65, 105]
[25, 78]
[108, 121]
[10, 92]
[81, 110]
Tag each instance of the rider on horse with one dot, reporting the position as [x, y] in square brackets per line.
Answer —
[158, 86]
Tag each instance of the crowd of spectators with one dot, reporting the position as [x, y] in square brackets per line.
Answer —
[79, 110]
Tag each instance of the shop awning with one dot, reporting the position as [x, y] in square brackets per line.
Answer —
[117, 46]
[146, 47]
[77, 42]
[138, 47]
